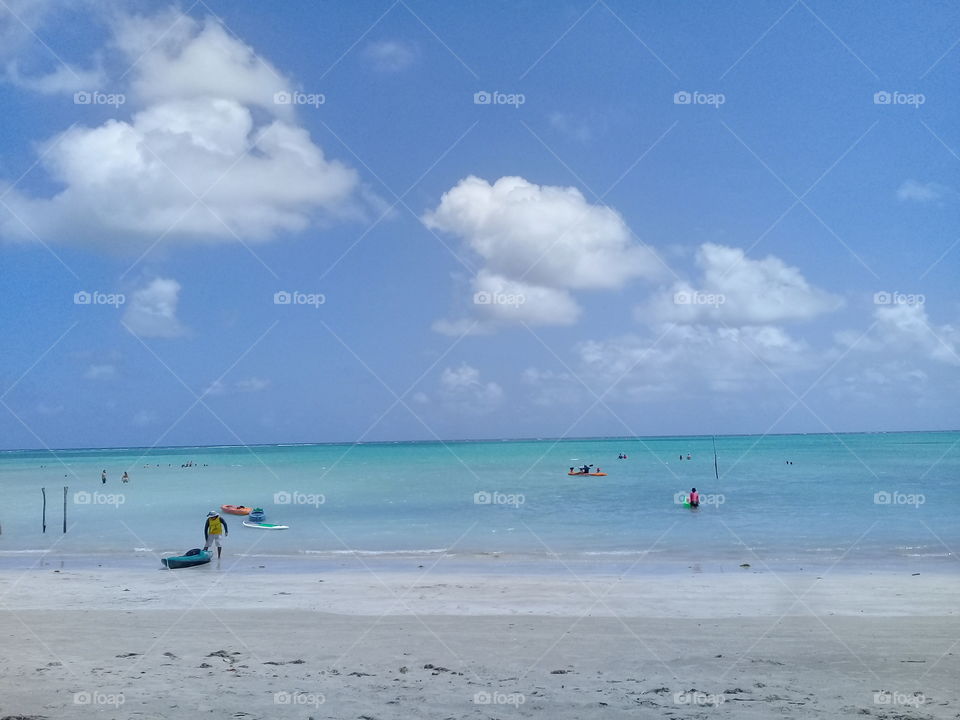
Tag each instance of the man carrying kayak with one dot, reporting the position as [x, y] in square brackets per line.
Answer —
[213, 528]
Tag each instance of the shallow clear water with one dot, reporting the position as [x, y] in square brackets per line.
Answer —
[414, 497]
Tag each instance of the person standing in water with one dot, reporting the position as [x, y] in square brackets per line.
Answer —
[103, 477]
[694, 498]
[213, 528]
[125, 478]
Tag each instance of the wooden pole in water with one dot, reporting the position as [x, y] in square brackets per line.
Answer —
[44, 491]
[64, 508]
[716, 471]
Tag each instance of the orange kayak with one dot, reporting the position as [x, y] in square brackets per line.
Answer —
[590, 474]
[236, 509]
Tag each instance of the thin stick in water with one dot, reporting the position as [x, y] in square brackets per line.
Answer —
[716, 471]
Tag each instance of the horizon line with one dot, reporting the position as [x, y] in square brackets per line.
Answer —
[469, 440]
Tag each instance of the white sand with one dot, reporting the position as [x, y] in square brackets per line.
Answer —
[404, 645]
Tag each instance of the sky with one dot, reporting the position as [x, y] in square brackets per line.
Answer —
[242, 222]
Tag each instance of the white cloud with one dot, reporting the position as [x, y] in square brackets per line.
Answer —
[571, 126]
[921, 192]
[153, 310]
[246, 385]
[542, 242]
[497, 301]
[62, 79]
[390, 55]
[735, 290]
[684, 359]
[463, 389]
[252, 384]
[180, 58]
[906, 331]
[131, 182]
[100, 372]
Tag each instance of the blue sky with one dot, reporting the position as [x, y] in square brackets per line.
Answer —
[736, 218]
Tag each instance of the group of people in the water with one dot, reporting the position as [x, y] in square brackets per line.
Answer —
[103, 477]
[583, 469]
[622, 456]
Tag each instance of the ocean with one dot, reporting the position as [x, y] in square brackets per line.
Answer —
[856, 501]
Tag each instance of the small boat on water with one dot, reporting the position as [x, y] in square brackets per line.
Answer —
[196, 556]
[236, 509]
[597, 474]
[258, 516]
[265, 526]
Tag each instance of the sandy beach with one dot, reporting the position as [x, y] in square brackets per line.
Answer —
[245, 642]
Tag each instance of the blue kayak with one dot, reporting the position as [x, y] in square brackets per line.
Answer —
[188, 559]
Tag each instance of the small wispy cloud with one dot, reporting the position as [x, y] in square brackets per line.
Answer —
[250, 384]
[100, 372]
[390, 56]
[911, 190]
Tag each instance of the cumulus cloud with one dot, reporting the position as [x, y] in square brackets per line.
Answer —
[687, 358]
[904, 359]
[463, 389]
[206, 156]
[541, 243]
[390, 56]
[914, 191]
[906, 330]
[152, 311]
[736, 290]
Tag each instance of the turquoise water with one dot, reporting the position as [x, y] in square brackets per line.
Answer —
[383, 499]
